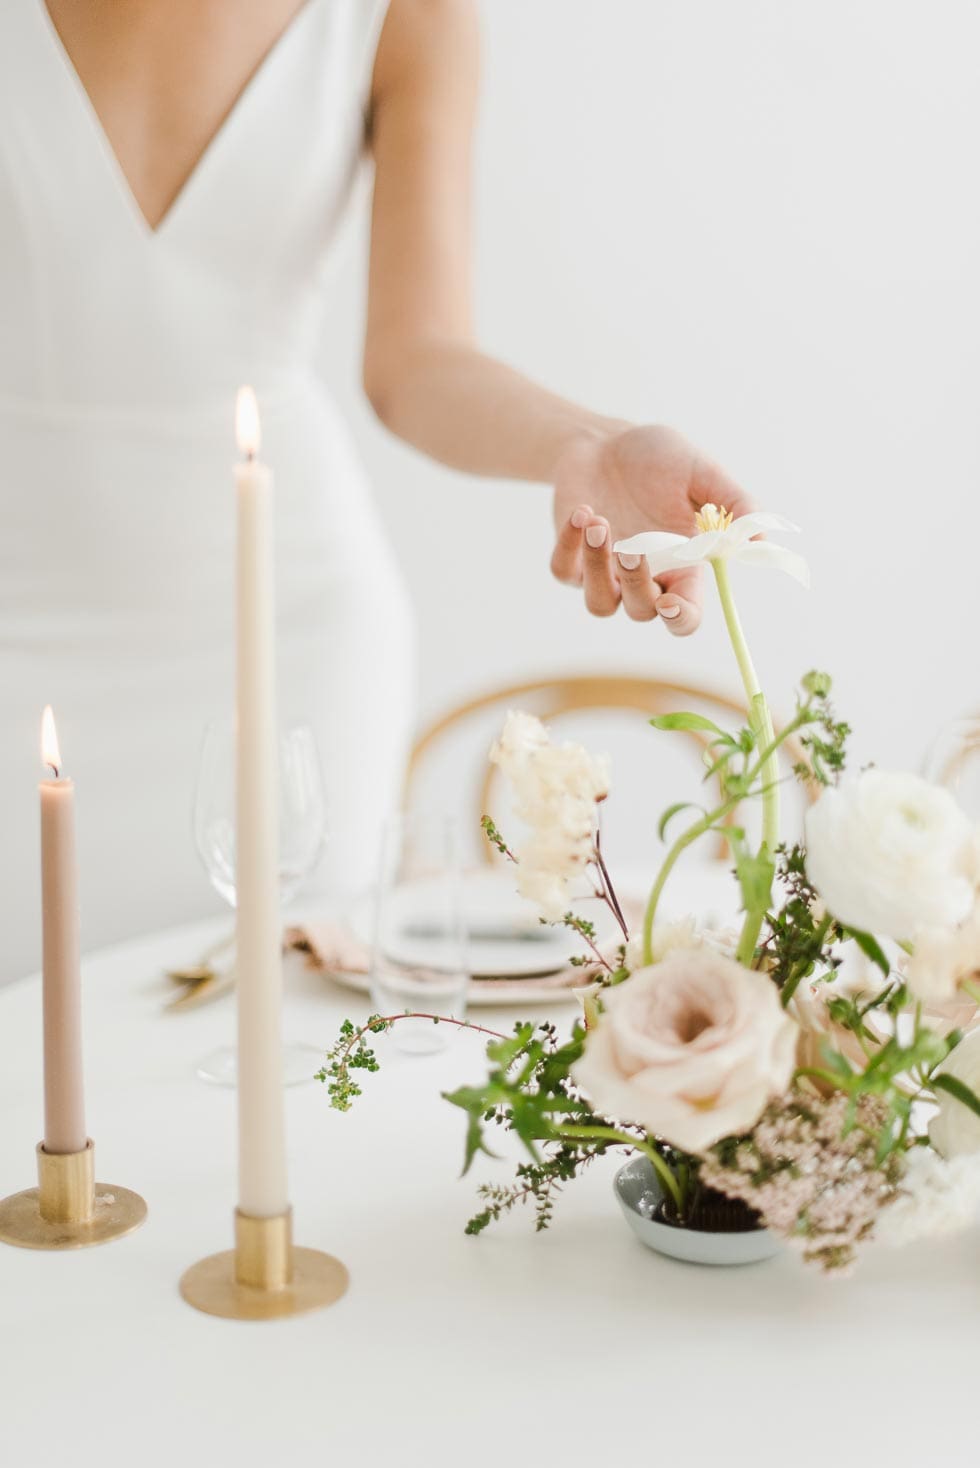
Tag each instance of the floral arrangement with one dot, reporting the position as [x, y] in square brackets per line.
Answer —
[815, 1072]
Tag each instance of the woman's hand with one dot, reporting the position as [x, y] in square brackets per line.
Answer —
[608, 487]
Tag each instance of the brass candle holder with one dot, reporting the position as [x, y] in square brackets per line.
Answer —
[266, 1276]
[68, 1209]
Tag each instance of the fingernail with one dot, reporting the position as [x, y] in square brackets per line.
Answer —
[628, 562]
[580, 518]
[596, 536]
[669, 612]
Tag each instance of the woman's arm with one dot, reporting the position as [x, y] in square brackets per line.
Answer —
[431, 385]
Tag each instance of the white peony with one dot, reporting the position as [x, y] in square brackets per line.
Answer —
[955, 1129]
[692, 1049]
[556, 787]
[889, 854]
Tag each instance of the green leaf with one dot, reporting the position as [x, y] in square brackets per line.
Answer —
[672, 811]
[835, 1062]
[712, 766]
[957, 1089]
[688, 721]
[755, 875]
[469, 1099]
[872, 949]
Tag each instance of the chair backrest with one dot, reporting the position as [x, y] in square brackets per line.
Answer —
[551, 697]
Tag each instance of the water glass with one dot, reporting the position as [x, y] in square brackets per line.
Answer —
[302, 832]
[419, 958]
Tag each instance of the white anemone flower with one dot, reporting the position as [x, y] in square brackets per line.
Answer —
[720, 538]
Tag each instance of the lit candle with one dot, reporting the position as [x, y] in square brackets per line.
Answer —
[261, 1115]
[64, 1101]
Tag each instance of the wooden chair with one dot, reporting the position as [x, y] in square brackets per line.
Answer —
[551, 697]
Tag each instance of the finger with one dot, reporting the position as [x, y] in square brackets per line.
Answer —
[566, 559]
[601, 586]
[680, 604]
[637, 587]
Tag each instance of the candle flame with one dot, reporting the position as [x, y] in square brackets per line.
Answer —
[50, 753]
[248, 429]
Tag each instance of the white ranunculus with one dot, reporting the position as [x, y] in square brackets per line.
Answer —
[556, 787]
[720, 538]
[693, 1049]
[955, 1129]
[889, 853]
[935, 1197]
[943, 960]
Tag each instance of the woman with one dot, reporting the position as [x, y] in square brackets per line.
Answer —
[172, 176]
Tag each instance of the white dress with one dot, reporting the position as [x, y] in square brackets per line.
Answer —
[120, 353]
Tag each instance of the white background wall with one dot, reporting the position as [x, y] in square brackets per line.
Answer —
[759, 222]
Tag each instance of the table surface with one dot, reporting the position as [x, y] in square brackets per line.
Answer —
[512, 1347]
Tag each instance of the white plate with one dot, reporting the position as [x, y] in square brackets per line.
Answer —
[483, 993]
[505, 938]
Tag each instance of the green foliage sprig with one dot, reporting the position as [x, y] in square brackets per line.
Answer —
[495, 838]
[351, 1052]
[539, 1183]
[801, 936]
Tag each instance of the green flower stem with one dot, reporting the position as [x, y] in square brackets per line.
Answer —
[759, 715]
[610, 1134]
[669, 862]
[706, 823]
[749, 936]
[760, 720]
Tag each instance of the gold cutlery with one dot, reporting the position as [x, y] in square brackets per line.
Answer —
[202, 981]
[203, 991]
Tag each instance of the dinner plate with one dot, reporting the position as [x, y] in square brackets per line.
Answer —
[487, 993]
[504, 937]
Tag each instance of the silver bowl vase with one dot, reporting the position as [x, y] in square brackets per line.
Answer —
[640, 1194]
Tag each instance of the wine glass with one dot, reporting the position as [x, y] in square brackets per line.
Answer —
[418, 957]
[954, 761]
[302, 832]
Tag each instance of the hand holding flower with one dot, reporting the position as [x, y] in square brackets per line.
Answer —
[632, 480]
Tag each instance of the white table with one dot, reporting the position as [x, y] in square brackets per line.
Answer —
[575, 1347]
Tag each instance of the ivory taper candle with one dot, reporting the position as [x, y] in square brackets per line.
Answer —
[64, 1099]
[261, 1116]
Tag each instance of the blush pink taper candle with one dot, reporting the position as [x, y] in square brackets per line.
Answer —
[258, 927]
[64, 1100]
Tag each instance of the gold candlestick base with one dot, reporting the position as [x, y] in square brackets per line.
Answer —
[68, 1209]
[265, 1276]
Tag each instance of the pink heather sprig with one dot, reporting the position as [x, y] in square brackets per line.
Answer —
[817, 1182]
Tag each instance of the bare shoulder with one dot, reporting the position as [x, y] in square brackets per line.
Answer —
[425, 39]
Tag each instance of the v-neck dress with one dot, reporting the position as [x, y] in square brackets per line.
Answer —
[120, 352]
